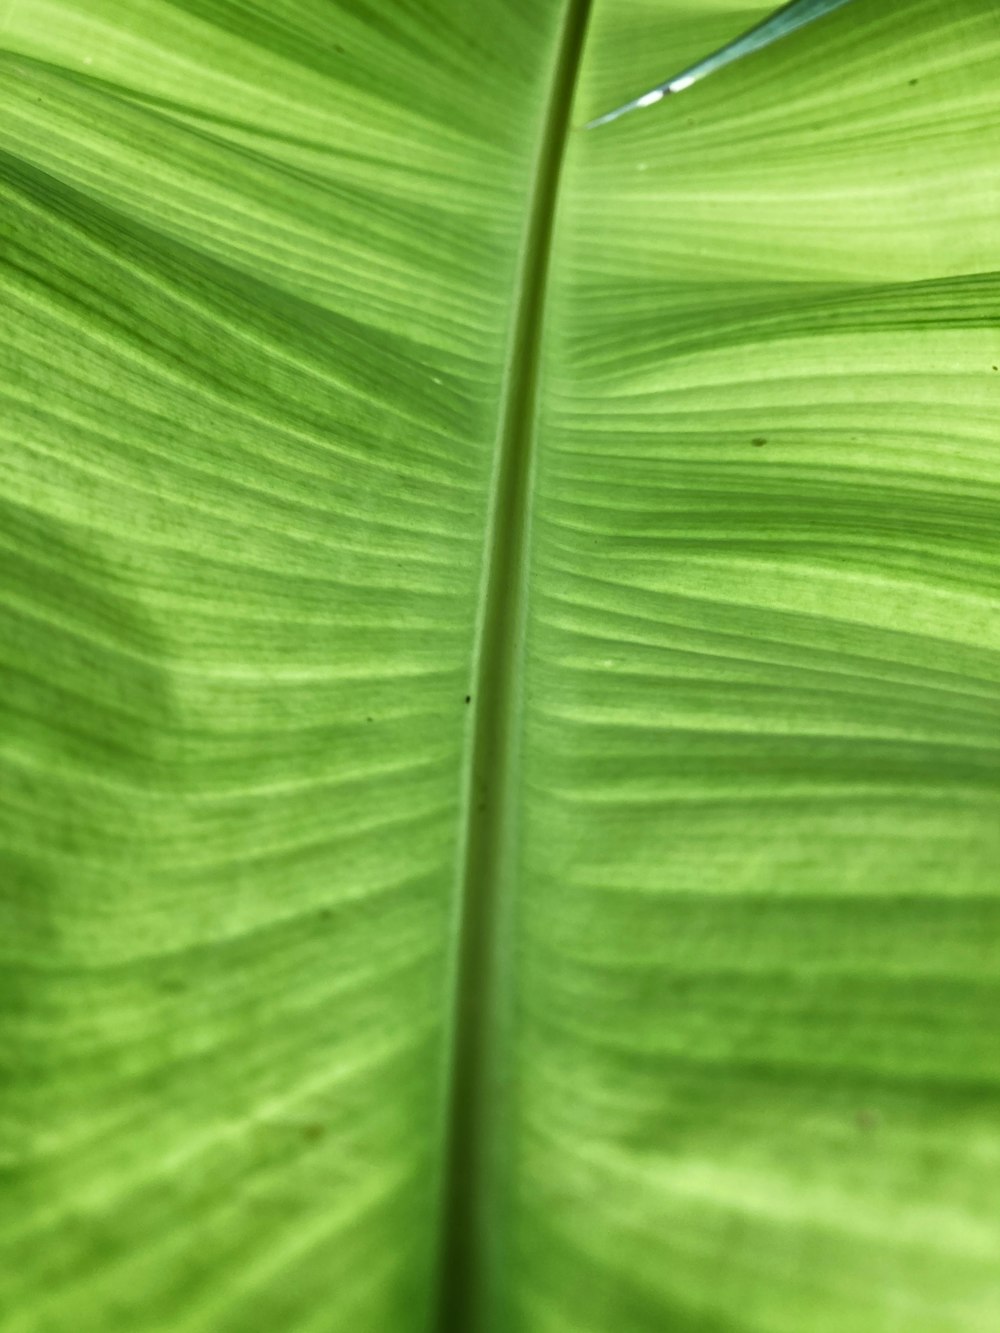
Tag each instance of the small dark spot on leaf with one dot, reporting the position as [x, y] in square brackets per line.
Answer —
[369, 719]
[867, 1119]
[325, 913]
[312, 1132]
[468, 697]
[173, 985]
[759, 440]
[996, 367]
[339, 50]
[914, 82]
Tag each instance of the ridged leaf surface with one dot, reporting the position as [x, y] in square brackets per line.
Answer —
[386, 532]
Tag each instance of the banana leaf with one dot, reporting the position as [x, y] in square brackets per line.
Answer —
[500, 800]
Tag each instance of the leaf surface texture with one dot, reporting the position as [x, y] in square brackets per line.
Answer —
[262, 267]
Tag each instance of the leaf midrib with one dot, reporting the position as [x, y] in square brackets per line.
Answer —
[486, 814]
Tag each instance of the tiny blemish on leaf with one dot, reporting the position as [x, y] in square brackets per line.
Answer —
[867, 1119]
[313, 1132]
[468, 698]
[914, 82]
[759, 440]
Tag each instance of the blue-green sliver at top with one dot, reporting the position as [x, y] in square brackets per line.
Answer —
[780, 24]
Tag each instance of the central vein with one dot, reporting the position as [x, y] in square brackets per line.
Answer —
[476, 999]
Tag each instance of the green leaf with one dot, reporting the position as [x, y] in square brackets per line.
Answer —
[501, 796]
[788, 19]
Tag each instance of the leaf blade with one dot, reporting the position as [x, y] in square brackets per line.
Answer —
[761, 765]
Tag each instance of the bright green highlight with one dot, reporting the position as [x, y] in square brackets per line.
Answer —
[264, 270]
